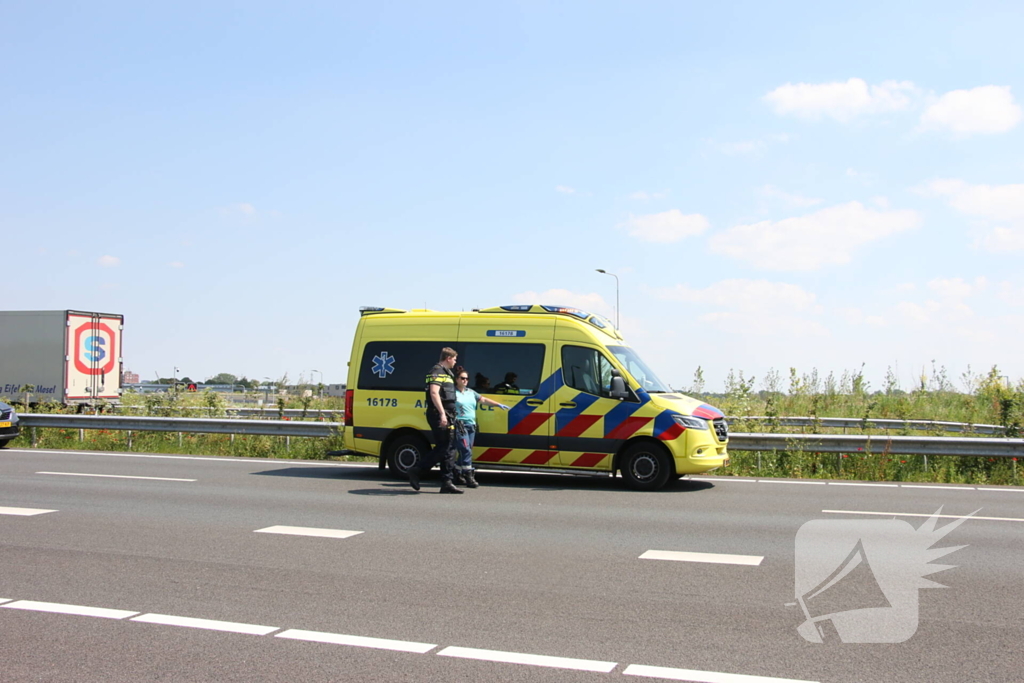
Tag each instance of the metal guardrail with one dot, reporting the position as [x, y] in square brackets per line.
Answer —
[823, 443]
[881, 423]
[245, 412]
[197, 425]
[879, 443]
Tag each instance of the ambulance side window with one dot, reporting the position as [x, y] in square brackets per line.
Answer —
[586, 370]
[490, 363]
[399, 366]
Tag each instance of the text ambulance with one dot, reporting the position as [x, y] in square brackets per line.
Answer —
[580, 399]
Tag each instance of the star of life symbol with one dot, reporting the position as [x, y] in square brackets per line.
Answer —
[858, 580]
[383, 364]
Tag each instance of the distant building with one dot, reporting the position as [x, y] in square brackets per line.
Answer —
[337, 390]
[129, 377]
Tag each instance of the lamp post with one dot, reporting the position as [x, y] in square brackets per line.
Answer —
[321, 381]
[605, 272]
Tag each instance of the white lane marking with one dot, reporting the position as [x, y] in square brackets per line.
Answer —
[711, 558]
[225, 458]
[701, 676]
[357, 641]
[3, 600]
[1011, 490]
[307, 531]
[534, 660]
[944, 487]
[736, 479]
[857, 483]
[787, 481]
[77, 610]
[113, 476]
[208, 624]
[916, 514]
[23, 512]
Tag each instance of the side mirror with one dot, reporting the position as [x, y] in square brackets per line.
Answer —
[618, 389]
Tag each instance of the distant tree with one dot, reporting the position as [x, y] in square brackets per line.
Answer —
[223, 378]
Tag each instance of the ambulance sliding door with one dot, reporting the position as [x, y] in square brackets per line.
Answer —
[511, 363]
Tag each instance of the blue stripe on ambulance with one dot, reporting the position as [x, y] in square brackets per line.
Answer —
[544, 392]
[566, 415]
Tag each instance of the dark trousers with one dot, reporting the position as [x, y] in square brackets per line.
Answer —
[444, 449]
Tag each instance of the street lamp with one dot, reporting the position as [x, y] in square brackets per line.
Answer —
[321, 380]
[602, 270]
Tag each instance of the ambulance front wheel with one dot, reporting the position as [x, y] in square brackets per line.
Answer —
[404, 452]
[646, 466]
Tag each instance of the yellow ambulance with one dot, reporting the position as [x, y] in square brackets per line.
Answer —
[581, 401]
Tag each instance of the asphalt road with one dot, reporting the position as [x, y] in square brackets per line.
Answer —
[528, 578]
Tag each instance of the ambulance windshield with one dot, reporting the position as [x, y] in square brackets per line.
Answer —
[649, 382]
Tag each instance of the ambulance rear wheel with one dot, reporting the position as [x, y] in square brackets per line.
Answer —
[404, 452]
[646, 466]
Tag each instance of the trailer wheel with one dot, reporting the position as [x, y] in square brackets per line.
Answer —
[404, 452]
[646, 466]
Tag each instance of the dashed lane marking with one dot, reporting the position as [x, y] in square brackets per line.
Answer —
[208, 624]
[711, 558]
[533, 660]
[916, 514]
[356, 641]
[792, 481]
[78, 610]
[23, 512]
[944, 487]
[859, 483]
[113, 476]
[701, 676]
[308, 531]
[398, 645]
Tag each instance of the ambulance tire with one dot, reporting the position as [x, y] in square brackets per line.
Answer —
[3, 444]
[646, 466]
[405, 451]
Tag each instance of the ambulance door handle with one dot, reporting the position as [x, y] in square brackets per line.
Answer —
[534, 402]
[568, 404]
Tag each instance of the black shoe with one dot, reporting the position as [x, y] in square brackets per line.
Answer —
[449, 487]
[471, 480]
[458, 479]
[414, 478]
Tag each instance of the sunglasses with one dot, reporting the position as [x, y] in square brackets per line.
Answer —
[465, 378]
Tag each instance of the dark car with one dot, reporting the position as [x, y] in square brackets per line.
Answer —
[8, 424]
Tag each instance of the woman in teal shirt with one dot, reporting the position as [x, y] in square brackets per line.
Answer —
[466, 401]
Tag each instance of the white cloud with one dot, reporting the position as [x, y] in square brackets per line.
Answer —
[992, 203]
[564, 189]
[796, 200]
[826, 237]
[842, 101]
[995, 202]
[957, 289]
[241, 209]
[176, 264]
[108, 261]
[644, 195]
[750, 296]
[986, 110]
[857, 317]
[666, 227]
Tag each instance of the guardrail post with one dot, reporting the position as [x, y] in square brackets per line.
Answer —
[179, 439]
[35, 440]
[288, 443]
[129, 439]
[81, 435]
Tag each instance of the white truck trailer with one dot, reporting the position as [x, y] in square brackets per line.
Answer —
[70, 357]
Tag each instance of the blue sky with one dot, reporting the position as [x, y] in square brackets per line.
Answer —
[775, 184]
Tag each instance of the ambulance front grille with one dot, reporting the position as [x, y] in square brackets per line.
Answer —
[721, 429]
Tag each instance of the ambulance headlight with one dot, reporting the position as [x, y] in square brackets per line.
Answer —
[690, 422]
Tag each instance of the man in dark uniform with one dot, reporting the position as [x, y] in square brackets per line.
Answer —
[441, 418]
